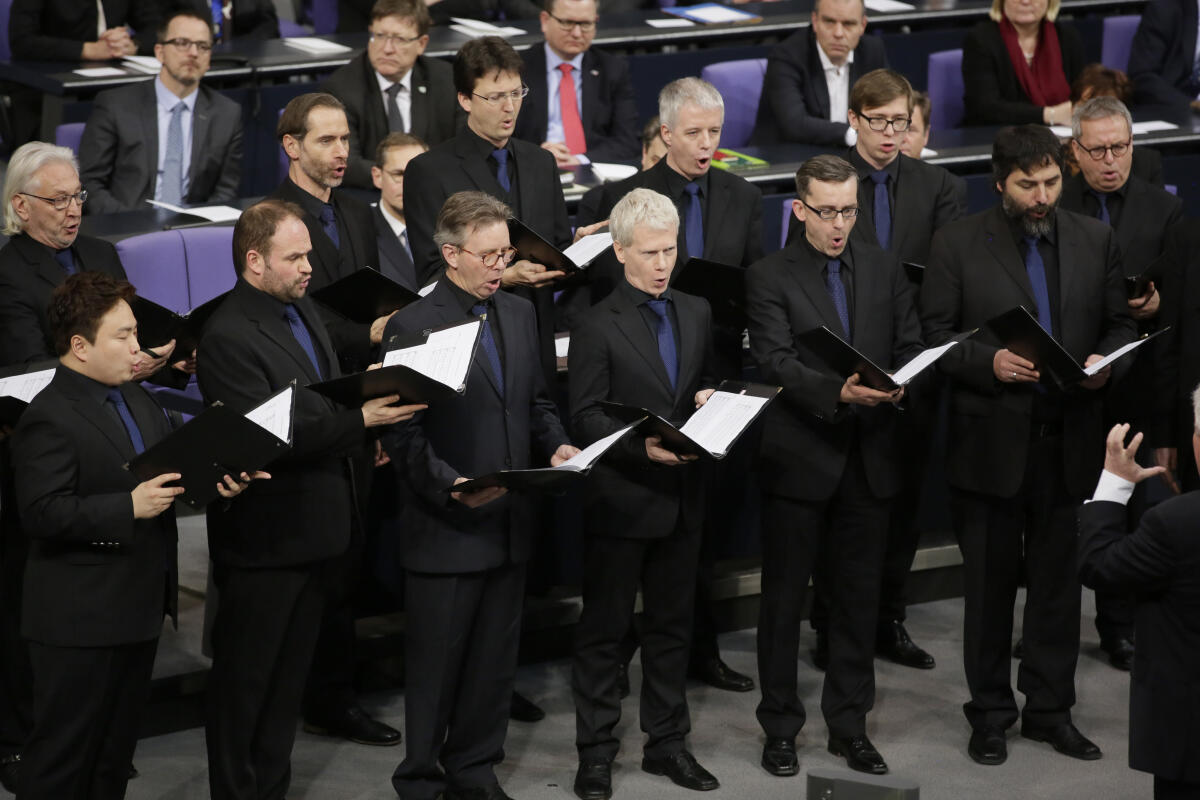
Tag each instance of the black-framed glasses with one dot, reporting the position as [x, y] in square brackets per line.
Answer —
[878, 124]
[186, 44]
[587, 26]
[61, 202]
[1097, 153]
[827, 214]
[394, 39]
[496, 98]
[490, 259]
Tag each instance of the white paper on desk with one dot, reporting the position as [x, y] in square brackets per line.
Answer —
[477, 27]
[566, 178]
[927, 152]
[445, 356]
[673, 22]
[26, 387]
[586, 249]
[318, 47]
[275, 415]
[210, 213]
[146, 64]
[100, 72]
[589, 455]
[920, 362]
[884, 6]
[1152, 125]
[1114, 355]
[1061, 131]
[715, 14]
[562, 346]
[613, 172]
[721, 420]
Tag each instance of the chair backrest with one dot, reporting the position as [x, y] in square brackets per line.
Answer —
[5, 51]
[157, 267]
[946, 89]
[787, 221]
[1116, 40]
[284, 161]
[740, 84]
[324, 15]
[209, 254]
[68, 135]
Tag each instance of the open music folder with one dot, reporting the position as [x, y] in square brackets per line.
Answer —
[17, 391]
[158, 325]
[716, 426]
[576, 258]
[218, 442]
[1019, 331]
[422, 368]
[548, 479]
[365, 295]
[845, 361]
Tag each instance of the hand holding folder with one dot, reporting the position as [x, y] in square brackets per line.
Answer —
[845, 361]
[571, 262]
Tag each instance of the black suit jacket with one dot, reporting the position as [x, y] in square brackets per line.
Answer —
[28, 275]
[610, 121]
[615, 357]
[993, 95]
[393, 261]
[118, 154]
[56, 30]
[305, 512]
[1160, 563]
[1177, 359]
[924, 199]
[976, 272]
[795, 97]
[435, 117]
[96, 577]
[808, 434]
[474, 434]
[1163, 53]
[252, 19]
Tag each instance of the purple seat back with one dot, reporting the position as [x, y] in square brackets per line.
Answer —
[157, 267]
[1117, 40]
[5, 52]
[68, 135]
[324, 15]
[209, 255]
[740, 84]
[787, 221]
[946, 90]
[288, 28]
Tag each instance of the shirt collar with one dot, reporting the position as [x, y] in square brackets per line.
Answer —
[864, 169]
[827, 65]
[553, 60]
[386, 83]
[167, 100]
[312, 205]
[482, 145]
[396, 225]
[677, 182]
[81, 385]
[463, 298]
[638, 297]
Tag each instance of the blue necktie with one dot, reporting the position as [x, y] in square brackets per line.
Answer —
[329, 225]
[300, 331]
[1037, 278]
[66, 259]
[135, 436]
[1102, 199]
[489, 345]
[694, 224]
[883, 209]
[172, 177]
[837, 291]
[501, 156]
[666, 340]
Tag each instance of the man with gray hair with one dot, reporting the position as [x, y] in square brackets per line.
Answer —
[1142, 217]
[650, 346]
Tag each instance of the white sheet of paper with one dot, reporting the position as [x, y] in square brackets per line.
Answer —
[26, 387]
[210, 213]
[927, 152]
[1113, 356]
[146, 64]
[562, 345]
[100, 72]
[566, 178]
[1061, 131]
[586, 249]
[427, 288]
[275, 415]
[920, 362]
[590, 454]
[717, 14]
[673, 22]
[1153, 125]
[445, 356]
[718, 422]
[318, 47]
[476, 27]
[614, 172]
[884, 6]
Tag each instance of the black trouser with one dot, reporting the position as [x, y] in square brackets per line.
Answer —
[990, 532]
[848, 533]
[614, 567]
[16, 678]
[1165, 789]
[461, 636]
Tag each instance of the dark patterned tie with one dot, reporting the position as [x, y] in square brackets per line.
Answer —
[1102, 213]
[300, 331]
[501, 156]
[135, 435]
[67, 259]
[694, 222]
[666, 340]
[883, 209]
[329, 225]
[489, 345]
[1037, 278]
[837, 291]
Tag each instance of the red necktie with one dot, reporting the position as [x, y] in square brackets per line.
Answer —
[572, 125]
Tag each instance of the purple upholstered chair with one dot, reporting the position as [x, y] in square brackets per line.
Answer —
[740, 84]
[1117, 39]
[157, 266]
[324, 16]
[209, 257]
[5, 52]
[68, 135]
[946, 89]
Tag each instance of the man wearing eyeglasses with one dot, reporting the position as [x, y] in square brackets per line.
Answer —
[1142, 217]
[170, 139]
[829, 457]
[393, 87]
[580, 105]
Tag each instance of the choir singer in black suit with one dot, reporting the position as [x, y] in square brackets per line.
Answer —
[649, 346]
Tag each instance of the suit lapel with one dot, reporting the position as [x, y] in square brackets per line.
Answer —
[690, 336]
[103, 422]
[419, 110]
[717, 202]
[200, 126]
[632, 326]
[591, 91]
[1070, 244]
[805, 268]
[40, 260]
[1000, 245]
[477, 168]
[278, 331]
[817, 87]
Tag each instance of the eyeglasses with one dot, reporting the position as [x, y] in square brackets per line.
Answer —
[899, 125]
[567, 24]
[496, 98]
[394, 39]
[61, 202]
[187, 44]
[827, 214]
[1097, 153]
[490, 259]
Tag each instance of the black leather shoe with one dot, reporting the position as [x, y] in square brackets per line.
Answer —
[779, 756]
[593, 780]
[623, 681]
[1019, 649]
[522, 709]
[859, 753]
[988, 745]
[820, 653]
[10, 771]
[356, 725]
[683, 770]
[493, 792]
[893, 643]
[1120, 652]
[716, 673]
[1064, 738]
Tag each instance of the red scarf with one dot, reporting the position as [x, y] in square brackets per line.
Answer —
[1044, 80]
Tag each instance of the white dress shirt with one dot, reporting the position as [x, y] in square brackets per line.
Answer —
[837, 80]
[1113, 488]
[403, 98]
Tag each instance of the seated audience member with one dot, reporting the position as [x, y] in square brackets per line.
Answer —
[918, 127]
[1162, 60]
[580, 105]
[806, 91]
[393, 87]
[1097, 80]
[78, 30]
[169, 139]
[353, 14]
[1018, 66]
[391, 230]
[237, 19]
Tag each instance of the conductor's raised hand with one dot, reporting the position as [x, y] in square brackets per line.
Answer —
[380, 411]
[478, 498]
[153, 497]
[1121, 460]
